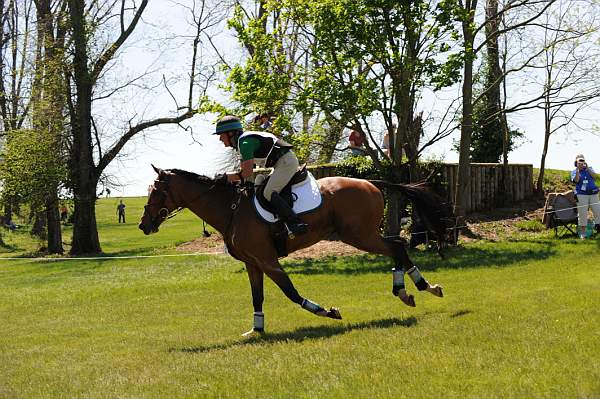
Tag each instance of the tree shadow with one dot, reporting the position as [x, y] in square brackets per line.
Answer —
[302, 334]
[457, 258]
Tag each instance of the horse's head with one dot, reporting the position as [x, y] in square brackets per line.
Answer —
[160, 203]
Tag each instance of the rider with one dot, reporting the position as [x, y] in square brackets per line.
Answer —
[265, 150]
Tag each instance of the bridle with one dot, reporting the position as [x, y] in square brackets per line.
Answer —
[162, 188]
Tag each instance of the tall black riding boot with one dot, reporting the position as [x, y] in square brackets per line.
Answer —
[287, 214]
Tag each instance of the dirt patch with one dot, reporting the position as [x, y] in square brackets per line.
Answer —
[215, 244]
[502, 222]
[491, 226]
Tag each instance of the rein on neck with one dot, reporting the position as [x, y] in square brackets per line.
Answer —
[164, 187]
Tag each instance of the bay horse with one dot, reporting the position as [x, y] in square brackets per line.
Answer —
[351, 208]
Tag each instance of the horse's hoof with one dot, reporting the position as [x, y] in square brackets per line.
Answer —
[253, 333]
[437, 290]
[409, 300]
[334, 313]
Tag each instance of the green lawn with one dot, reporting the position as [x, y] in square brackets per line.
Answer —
[117, 239]
[520, 319]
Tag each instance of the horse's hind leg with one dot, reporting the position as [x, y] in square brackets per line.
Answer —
[374, 243]
[280, 277]
[405, 265]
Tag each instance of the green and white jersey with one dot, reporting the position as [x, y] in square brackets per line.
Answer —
[265, 148]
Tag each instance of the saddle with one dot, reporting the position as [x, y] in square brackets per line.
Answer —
[285, 193]
[278, 231]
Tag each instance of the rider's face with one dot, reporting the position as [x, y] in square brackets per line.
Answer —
[225, 139]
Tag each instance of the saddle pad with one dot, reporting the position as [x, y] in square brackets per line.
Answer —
[309, 198]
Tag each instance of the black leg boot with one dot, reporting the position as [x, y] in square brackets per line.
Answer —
[287, 214]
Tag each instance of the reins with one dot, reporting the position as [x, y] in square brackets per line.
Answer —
[165, 215]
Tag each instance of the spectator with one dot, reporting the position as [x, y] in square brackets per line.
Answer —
[586, 191]
[64, 213]
[121, 211]
[8, 223]
[107, 192]
[356, 142]
[265, 122]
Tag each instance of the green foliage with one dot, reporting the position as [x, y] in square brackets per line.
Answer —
[488, 132]
[263, 84]
[358, 58]
[362, 167]
[359, 167]
[32, 165]
[488, 136]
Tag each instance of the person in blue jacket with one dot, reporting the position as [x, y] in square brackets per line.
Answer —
[586, 190]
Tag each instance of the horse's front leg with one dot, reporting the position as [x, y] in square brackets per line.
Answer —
[280, 277]
[256, 277]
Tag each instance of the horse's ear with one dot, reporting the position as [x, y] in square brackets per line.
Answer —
[157, 170]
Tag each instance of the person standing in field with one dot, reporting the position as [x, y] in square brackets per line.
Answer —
[586, 191]
[121, 211]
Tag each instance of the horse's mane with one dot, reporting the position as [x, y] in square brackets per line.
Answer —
[192, 176]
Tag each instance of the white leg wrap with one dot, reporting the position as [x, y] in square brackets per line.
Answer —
[417, 278]
[259, 321]
[398, 278]
[311, 306]
[398, 287]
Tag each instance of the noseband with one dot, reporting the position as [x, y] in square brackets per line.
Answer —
[162, 187]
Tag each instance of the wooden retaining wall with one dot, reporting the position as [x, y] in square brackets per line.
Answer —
[486, 183]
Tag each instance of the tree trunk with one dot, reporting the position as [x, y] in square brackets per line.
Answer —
[463, 181]
[83, 173]
[8, 207]
[85, 230]
[495, 79]
[539, 185]
[331, 139]
[38, 228]
[54, 229]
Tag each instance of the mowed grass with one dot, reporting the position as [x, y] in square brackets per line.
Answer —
[116, 239]
[520, 319]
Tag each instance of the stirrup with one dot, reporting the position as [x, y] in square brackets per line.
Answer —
[296, 229]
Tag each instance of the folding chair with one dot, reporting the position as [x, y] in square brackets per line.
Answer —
[564, 215]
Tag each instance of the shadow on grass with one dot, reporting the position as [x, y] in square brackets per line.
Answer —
[460, 313]
[302, 334]
[492, 255]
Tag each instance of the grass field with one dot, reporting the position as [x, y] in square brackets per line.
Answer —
[520, 319]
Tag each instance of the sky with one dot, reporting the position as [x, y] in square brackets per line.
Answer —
[172, 147]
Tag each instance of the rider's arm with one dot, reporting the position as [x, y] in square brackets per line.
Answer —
[247, 147]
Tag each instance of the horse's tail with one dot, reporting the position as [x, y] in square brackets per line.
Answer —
[435, 213]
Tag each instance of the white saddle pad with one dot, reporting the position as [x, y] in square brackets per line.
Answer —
[309, 198]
